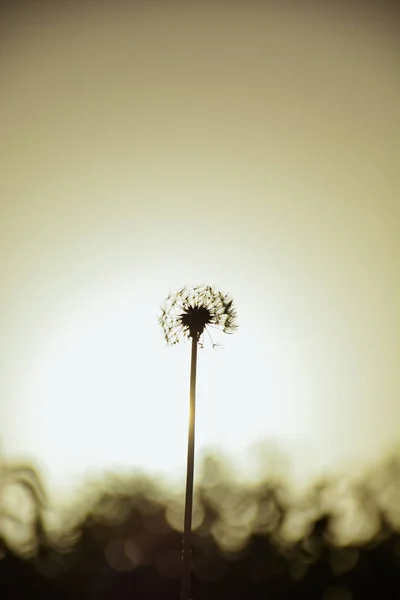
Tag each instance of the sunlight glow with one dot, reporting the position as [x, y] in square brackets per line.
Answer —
[136, 158]
[105, 392]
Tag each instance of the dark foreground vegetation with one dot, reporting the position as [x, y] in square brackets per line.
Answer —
[122, 541]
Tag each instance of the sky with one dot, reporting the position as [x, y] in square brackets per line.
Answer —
[250, 146]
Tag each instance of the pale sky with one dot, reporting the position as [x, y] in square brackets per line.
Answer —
[146, 146]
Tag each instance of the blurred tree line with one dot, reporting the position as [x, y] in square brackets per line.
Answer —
[122, 539]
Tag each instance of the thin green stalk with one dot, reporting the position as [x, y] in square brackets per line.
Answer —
[187, 529]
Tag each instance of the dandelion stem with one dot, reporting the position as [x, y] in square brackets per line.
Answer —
[187, 528]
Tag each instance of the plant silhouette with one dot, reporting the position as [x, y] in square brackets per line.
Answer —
[123, 540]
[188, 313]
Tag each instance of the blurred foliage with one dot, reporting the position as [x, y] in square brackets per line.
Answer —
[22, 504]
[122, 539]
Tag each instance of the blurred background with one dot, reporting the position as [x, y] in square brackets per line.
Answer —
[251, 146]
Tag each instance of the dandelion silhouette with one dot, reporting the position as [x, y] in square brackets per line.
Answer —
[187, 314]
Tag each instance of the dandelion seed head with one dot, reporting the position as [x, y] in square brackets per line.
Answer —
[188, 312]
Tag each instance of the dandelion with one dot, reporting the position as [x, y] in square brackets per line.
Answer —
[188, 313]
